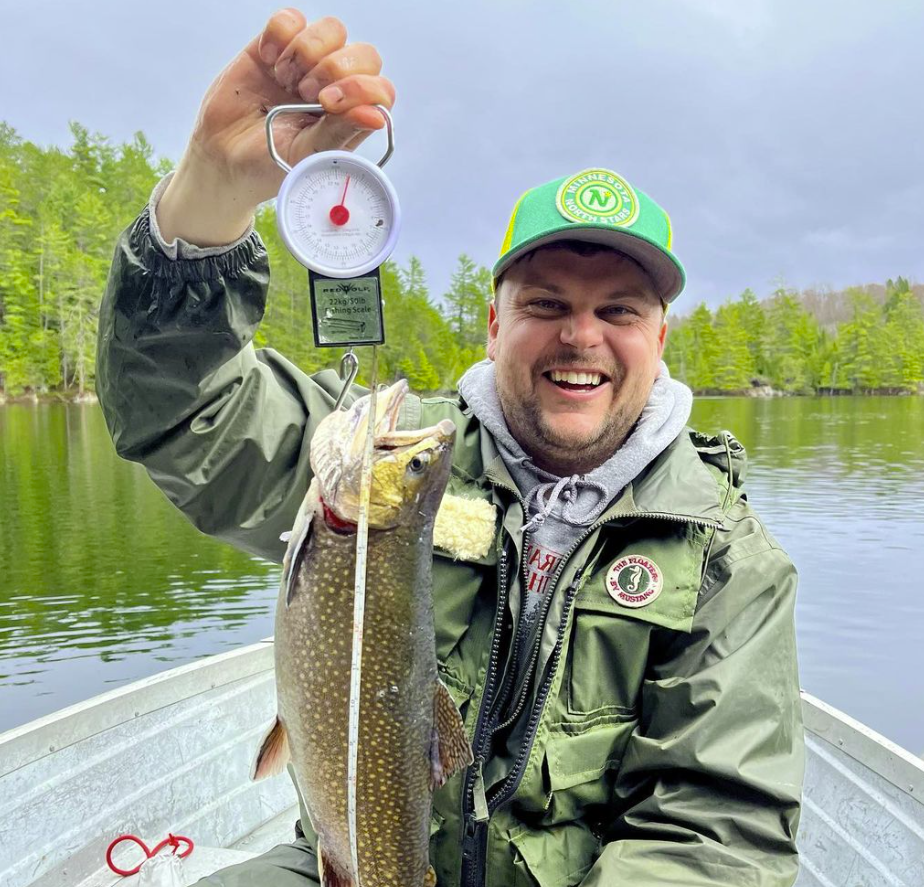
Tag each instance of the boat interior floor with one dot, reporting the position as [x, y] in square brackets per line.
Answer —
[205, 861]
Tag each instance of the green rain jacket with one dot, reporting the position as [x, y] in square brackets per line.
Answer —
[662, 745]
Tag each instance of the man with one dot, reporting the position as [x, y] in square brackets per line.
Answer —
[622, 650]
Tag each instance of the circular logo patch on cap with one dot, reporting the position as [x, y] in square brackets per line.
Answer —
[598, 196]
[634, 581]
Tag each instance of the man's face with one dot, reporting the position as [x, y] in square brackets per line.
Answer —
[558, 313]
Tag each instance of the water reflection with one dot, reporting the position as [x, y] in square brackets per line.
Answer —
[103, 582]
[840, 482]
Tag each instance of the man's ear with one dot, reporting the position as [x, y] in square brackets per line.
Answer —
[662, 336]
[492, 329]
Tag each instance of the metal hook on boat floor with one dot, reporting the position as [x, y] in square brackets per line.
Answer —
[349, 367]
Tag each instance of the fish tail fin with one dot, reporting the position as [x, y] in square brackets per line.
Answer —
[330, 875]
[274, 752]
[450, 750]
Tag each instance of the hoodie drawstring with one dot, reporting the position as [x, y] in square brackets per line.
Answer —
[546, 496]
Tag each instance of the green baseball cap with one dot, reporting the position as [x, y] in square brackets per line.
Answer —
[596, 206]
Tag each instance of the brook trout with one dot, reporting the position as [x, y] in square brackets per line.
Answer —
[411, 736]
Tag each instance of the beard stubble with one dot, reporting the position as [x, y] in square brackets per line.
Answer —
[565, 454]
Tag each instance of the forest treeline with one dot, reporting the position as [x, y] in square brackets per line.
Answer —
[61, 211]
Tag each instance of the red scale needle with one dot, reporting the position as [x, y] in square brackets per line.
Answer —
[339, 214]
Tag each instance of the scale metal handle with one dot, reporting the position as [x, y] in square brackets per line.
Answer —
[319, 109]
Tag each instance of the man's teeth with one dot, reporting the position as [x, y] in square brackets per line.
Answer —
[576, 378]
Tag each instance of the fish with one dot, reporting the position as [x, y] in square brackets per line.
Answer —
[411, 734]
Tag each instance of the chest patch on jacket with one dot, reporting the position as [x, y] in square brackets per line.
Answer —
[634, 581]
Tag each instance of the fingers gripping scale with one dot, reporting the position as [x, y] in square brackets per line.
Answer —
[339, 215]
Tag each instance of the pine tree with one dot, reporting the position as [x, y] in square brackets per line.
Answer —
[467, 305]
[864, 347]
[734, 361]
[753, 321]
[701, 351]
[791, 337]
[904, 333]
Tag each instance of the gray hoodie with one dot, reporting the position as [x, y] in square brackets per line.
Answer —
[559, 510]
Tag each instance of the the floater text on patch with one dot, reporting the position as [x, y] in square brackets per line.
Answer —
[634, 581]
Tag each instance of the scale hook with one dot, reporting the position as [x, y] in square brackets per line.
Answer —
[349, 367]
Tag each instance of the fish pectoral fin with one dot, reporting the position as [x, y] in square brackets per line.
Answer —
[329, 873]
[453, 750]
[430, 877]
[298, 541]
[274, 752]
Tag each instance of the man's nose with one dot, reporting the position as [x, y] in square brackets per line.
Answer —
[582, 330]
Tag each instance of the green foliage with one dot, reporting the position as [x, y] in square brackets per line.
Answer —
[792, 337]
[779, 343]
[693, 354]
[60, 213]
[62, 210]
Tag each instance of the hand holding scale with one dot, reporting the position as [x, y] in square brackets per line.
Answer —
[339, 216]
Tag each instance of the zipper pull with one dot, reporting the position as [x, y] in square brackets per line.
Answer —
[478, 794]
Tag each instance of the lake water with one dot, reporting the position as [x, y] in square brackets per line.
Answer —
[103, 582]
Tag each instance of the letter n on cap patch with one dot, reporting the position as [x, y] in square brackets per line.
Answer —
[598, 196]
[634, 581]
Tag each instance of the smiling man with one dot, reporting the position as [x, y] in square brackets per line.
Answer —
[619, 634]
[581, 339]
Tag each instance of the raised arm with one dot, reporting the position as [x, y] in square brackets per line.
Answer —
[224, 429]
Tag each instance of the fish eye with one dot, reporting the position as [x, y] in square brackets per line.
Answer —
[419, 463]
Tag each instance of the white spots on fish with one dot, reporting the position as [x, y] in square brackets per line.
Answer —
[392, 748]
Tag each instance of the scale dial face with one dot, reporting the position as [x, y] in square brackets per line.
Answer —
[338, 214]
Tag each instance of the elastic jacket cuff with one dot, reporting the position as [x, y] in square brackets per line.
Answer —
[246, 254]
[179, 248]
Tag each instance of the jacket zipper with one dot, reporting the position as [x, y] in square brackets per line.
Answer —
[534, 653]
[508, 787]
[476, 806]
[510, 679]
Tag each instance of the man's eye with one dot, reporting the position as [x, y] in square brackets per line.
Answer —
[545, 305]
[617, 310]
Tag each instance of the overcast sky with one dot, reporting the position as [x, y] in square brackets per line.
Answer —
[784, 137]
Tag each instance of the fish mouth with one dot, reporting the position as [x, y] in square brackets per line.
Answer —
[339, 455]
[388, 405]
[386, 426]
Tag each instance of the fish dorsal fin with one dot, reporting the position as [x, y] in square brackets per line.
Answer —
[454, 750]
[273, 754]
